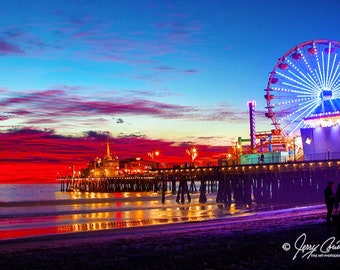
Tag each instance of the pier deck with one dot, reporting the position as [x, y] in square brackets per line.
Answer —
[277, 182]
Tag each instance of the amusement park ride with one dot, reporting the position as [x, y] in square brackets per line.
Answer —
[303, 103]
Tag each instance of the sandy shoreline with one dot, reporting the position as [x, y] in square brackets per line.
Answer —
[248, 242]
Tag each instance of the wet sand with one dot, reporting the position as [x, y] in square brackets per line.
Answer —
[253, 241]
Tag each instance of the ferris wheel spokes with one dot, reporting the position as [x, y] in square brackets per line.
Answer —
[305, 83]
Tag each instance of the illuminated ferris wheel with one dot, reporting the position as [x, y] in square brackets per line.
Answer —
[304, 86]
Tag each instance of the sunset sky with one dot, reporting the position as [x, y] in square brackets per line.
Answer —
[154, 74]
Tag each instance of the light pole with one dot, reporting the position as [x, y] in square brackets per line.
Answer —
[294, 146]
[193, 153]
[154, 155]
[237, 152]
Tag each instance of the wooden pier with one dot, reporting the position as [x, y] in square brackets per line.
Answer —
[260, 183]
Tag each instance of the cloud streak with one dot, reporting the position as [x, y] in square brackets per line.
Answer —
[55, 105]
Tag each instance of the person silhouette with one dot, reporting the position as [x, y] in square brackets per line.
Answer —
[262, 158]
[337, 198]
[329, 201]
[336, 217]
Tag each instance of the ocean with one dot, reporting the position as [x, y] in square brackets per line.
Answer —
[29, 210]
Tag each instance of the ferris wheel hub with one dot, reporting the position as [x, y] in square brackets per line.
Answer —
[326, 94]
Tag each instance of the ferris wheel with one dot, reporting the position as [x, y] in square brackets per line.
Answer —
[304, 84]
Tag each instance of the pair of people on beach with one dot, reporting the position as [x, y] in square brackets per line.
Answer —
[332, 200]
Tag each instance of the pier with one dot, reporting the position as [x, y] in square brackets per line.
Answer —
[260, 183]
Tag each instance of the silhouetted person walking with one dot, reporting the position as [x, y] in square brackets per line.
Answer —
[329, 200]
[336, 204]
[337, 198]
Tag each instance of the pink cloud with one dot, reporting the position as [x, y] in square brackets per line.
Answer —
[12, 35]
[3, 117]
[20, 112]
[7, 48]
[42, 121]
[64, 104]
[55, 106]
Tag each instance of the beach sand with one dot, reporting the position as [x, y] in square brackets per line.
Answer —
[247, 242]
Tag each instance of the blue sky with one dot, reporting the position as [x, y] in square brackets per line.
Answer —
[173, 70]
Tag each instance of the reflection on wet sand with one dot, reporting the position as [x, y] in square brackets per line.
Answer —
[83, 212]
[141, 218]
[36, 215]
[95, 226]
[119, 217]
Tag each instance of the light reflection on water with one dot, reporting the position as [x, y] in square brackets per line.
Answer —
[166, 215]
[55, 212]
